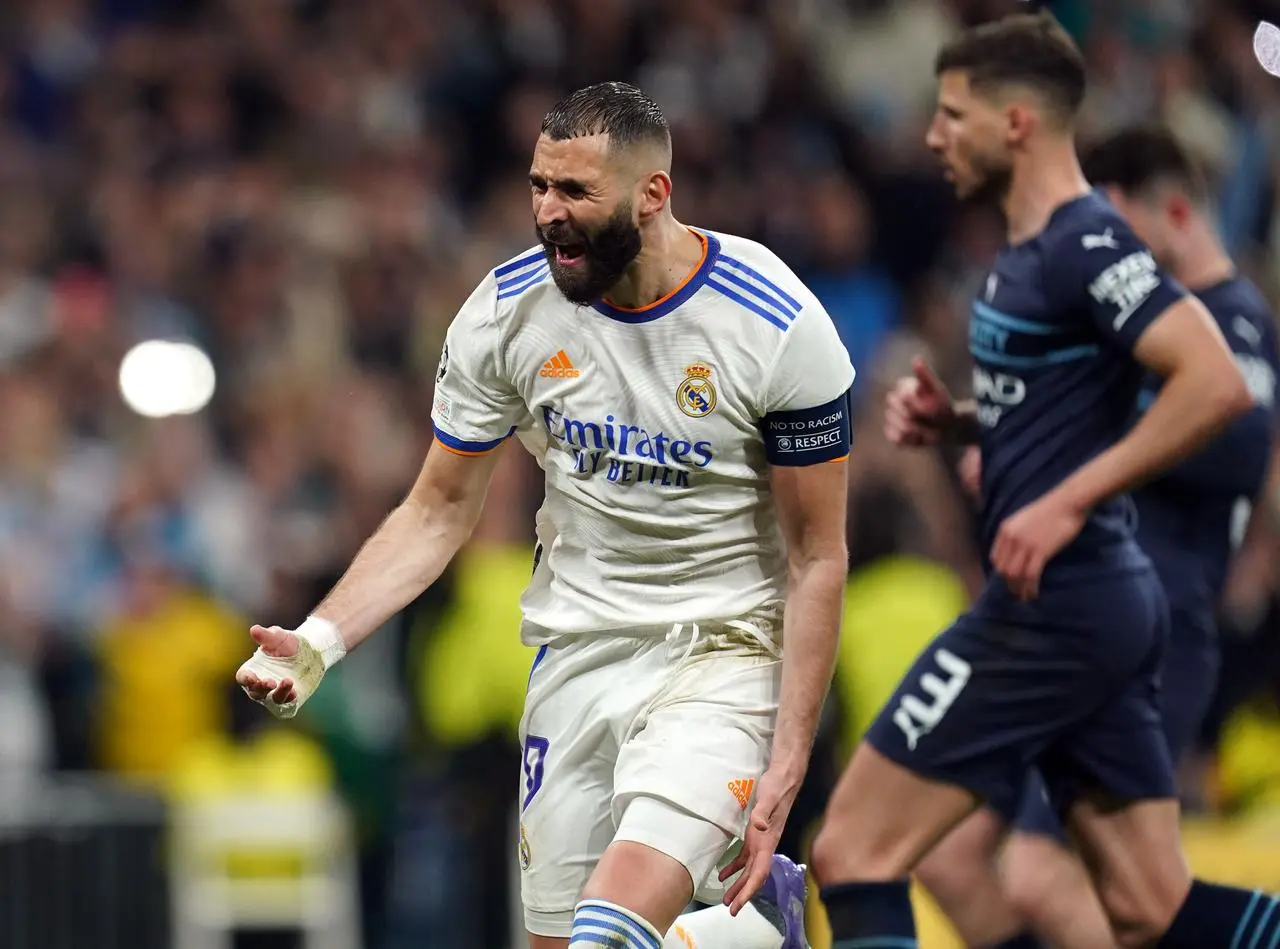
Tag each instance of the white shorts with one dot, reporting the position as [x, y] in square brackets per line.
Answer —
[611, 720]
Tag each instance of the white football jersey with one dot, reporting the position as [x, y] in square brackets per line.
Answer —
[656, 429]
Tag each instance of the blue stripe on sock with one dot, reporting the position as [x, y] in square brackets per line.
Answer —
[1275, 937]
[610, 937]
[1244, 919]
[1260, 927]
[597, 916]
[876, 942]
[604, 934]
[639, 936]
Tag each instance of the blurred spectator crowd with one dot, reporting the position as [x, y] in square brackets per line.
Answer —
[308, 189]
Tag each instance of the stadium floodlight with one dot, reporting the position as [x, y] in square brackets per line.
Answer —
[1266, 47]
[159, 378]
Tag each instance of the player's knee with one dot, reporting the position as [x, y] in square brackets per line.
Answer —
[1144, 877]
[839, 853]
[842, 853]
[1135, 920]
[1028, 881]
[651, 884]
[881, 820]
[1139, 916]
[824, 856]
[950, 872]
[1139, 913]
[659, 852]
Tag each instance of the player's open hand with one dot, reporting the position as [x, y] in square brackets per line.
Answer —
[1028, 539]
[918, 408]
[775, 794]
[258, 682]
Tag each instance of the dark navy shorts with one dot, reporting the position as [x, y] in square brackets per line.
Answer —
[1068, 684]
[1187, 682]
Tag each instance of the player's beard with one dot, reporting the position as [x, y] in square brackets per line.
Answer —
[607, 252]
[992, 177]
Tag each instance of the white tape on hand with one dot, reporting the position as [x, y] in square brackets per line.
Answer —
[320, 645]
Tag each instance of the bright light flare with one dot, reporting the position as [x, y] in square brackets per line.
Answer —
[160, 378]
[1266, 47]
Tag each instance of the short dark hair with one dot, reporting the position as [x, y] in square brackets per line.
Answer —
[1140, 157]
[616, 109]
[1028, 48]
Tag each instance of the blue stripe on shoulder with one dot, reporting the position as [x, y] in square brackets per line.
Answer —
[519, 263]
[751, 290]
[518, 285]
[741, 300]
[792, 303]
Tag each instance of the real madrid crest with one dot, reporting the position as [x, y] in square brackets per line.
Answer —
[696, 396]
[526, 857]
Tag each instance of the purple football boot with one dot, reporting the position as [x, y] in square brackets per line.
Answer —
[784, 891]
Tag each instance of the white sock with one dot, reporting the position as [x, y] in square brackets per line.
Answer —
[597, 923]
[714, 928]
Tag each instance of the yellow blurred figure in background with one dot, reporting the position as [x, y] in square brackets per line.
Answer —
[151, 712]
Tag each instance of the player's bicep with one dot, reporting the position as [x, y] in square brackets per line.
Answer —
[1181, 335]
[453, 481]
[811, 503]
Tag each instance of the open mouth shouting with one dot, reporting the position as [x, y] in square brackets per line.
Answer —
[567, 247]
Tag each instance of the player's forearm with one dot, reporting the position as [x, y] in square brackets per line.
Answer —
[963, 427]
[1193, 406]
[396, 564]
[815, 602]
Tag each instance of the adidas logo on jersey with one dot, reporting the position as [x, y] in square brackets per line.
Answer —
[742, 788]
[559, 366]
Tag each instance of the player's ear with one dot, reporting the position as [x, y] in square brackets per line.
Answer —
[1020, 120]
[1179, 208]
[655, 192]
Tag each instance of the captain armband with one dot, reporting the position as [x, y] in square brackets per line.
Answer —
[800, 437]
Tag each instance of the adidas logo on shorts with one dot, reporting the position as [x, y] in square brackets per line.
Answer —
[742, 788]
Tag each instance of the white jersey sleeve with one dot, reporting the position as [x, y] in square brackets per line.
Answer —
[806, 394]
[476, 406]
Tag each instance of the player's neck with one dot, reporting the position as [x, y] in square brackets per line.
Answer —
[671, 253]
[1047, 177]
[1201, 261]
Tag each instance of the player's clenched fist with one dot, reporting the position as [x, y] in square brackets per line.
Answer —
[288, 665]
[918, 409]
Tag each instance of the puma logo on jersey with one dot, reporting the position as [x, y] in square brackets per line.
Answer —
[1094, 241]
[742, 788]
[559, 366]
